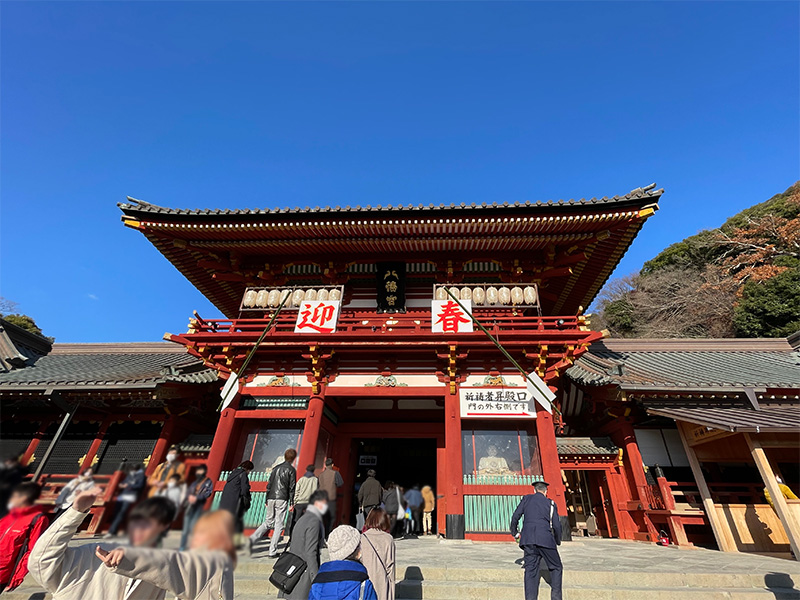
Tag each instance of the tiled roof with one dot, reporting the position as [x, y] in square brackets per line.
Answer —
[784, 418]
[139, 206]
[197, 442]
[109, 365]
[18, 346]
[689, 364]
[585, 445]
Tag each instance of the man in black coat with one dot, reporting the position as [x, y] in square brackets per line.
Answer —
[280, 498]
[370, 494]
[236, 494]
[541, 533]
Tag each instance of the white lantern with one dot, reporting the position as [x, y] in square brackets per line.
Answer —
[250, 298]
[530, 295]
[274, 298]
[284, 295]
[440, 294]
[454, 291]
[466, 293]
[517, 297]
[262, 299]
[335, 294]
[297, 297]
[322, 294]
[478, 296]
[310, 295]
[504, 296]
[491, 295]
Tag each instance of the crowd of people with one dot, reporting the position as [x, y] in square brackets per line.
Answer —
[301, 506]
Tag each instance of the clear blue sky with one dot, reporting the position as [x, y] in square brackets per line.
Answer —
[205, 105]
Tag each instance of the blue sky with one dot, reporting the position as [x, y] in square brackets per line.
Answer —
[205, 105]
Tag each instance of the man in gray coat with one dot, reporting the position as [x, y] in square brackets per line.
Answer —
[308, 538]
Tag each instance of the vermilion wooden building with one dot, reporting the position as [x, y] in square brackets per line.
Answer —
[385, 391]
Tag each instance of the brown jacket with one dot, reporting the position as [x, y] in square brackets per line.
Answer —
[163, 473]
[378, 556]
[76, 573]
[430, 499]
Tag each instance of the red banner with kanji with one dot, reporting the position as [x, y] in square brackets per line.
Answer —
[448, 317]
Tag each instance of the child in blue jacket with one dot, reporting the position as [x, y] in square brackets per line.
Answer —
[343, 577]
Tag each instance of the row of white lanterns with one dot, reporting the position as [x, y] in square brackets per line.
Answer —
[503, 296]
[264, 298]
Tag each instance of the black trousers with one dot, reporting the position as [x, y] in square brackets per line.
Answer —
[533, 558]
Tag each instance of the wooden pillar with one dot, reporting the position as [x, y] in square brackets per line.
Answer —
[308, 450]
[162, 445]
[720, 526]
[635, 463]
[95, 446]
[453, 492]
[221, 443]
[779, 502]
[548, 454]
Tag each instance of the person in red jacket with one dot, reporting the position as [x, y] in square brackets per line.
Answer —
[19, 530]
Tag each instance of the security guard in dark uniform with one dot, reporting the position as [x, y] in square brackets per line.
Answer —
[541, 533]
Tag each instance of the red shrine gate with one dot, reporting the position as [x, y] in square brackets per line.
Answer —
[397, 386]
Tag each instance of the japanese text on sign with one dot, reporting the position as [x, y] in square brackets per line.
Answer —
[497, 403]
[319, 316]
[448, 317]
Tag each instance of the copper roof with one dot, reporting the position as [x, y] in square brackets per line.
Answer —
[776, 418]
[689, 364]
[222, 251]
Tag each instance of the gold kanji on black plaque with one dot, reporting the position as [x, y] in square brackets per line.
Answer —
[391, 287]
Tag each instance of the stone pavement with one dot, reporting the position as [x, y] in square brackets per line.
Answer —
[595, 569]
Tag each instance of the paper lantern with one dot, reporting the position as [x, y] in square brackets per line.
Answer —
[297, 297]
[504, 296]
[530, 295]
[284, 295]
[310, 295]
[517, 296]
[335, 294]
[440, 294]
[491, 295]
[322, 294]
[478, 296]
[466, 293]
[262, 299]
[454, 291]
[250, 298]
[274, 298]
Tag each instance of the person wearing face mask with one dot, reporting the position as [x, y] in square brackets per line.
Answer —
[308, 538]
[196, 495]
[19, 530]
[77, 573]
[129, 491]
[171, 466]
[83, 482]
[343, 577]
[204, 572]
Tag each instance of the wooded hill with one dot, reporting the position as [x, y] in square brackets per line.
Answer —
[740, 280]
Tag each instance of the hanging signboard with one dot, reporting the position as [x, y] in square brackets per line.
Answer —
[538, 390]
[317, 316]
[496, 403]
[448, 317]
[391, 287]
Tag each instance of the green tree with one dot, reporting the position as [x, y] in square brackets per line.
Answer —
[770, 308]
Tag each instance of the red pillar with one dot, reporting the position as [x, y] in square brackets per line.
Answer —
[551, 468]
[221, 443]
[31, 450]
[162, 445]
[308, 451]
[635, 463]
[98, 439]
[454, 485]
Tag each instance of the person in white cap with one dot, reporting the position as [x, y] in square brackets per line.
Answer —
[343, 577]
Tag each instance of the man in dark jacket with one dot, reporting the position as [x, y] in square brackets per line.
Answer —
[280, 496]
[130, 489]
[541, 533]
[308, 538]
[370, 493]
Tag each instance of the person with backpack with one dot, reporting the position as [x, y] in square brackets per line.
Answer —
[541, 534]
[343, 577]
[19, 531]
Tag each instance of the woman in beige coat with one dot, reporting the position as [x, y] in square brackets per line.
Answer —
[378, 553]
